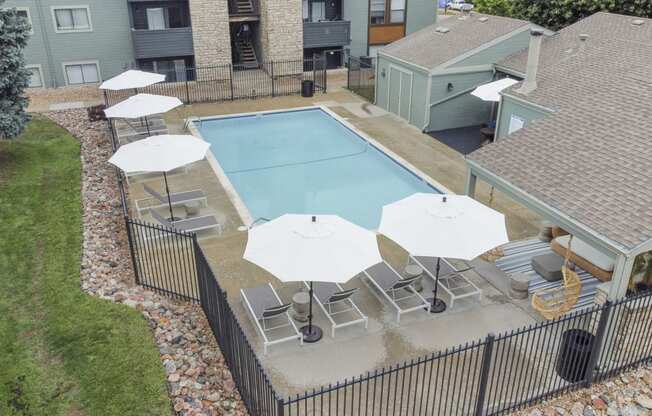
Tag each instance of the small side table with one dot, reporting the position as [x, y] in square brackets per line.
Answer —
[301, 306]
[192, 208]
[414, 270]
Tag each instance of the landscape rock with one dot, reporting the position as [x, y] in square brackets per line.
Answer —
[186, 344]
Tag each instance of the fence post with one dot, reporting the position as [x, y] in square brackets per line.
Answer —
[231, 79]
[132, 252]
[598, 342]
[280, 406]
[484, 374]
[271, 64]
[187, 90]
[325, 74]
[348, 74]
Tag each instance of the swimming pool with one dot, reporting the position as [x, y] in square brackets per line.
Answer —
[306, 161]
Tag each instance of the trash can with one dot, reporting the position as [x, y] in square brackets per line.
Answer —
[307, 88]
[574, 355]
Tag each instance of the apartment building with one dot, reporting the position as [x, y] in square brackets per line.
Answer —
[77, 42]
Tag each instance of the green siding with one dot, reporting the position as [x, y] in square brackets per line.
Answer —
[497, 52]
[357, 12]
[109, 42]
[510, 107]
[387, 97]
[420, 13]
[462, 109]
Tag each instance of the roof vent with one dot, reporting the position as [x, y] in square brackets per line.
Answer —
[584, 37]
[483, 19]
[442, 29]
[638, 22]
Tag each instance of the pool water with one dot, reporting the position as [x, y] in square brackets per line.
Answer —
[307, 162]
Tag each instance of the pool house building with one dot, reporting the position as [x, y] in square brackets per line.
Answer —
[574, 144]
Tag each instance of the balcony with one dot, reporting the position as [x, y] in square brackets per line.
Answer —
[326, 33]
[162, 43]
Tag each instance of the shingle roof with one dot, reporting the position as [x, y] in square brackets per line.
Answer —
[429, 48]
[592, 157]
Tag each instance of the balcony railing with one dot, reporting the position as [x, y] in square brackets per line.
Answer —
[162, 43]
[326, 33]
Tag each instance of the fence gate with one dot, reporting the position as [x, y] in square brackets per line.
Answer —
[361, 77]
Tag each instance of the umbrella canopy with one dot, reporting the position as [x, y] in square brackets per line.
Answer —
[453, 226]
[159, 153]
[142, 105]
[491, 91]
[295, 248]
[132, 79]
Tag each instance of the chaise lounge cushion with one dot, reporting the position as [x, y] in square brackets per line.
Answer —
[585, 256]
[548, 266]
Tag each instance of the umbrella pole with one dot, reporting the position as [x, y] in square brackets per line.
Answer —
[311, 333]
[147, 127]
[438, 305]
[167, 190]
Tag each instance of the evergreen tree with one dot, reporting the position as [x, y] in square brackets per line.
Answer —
[14, 78]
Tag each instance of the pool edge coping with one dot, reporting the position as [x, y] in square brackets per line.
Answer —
[232, 193]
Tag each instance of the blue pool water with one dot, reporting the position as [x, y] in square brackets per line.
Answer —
[307, 162]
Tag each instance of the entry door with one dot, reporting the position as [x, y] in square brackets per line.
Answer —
[399, 94]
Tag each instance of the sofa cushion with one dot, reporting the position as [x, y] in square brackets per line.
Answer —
[548, 266]
[584, 250]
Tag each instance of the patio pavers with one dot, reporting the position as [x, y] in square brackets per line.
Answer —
[354, 350]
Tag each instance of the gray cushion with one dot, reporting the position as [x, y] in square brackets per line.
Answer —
[548, 266]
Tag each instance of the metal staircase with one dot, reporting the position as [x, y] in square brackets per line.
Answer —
[246, 54]
[244, 7]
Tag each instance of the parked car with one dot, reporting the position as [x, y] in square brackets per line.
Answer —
[460, 5]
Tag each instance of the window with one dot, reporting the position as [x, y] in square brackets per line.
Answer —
[314, 10]
[36, 77]
[397, 12]
[156, 18]
[159, 17]
[79, 73]
[377, 12]
[72, 19]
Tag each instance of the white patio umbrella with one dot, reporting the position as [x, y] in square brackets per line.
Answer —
[324, 248]
[491, 91]
[142, 105]
[453, 226]
[132, 79]
[160, 154]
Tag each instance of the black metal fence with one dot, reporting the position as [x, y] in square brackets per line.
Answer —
[230, 82]
[500, 373]
[491, 376]
[361, 77]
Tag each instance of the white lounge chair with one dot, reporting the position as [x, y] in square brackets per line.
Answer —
[396, 289]
[176, 199]
[190, 225]
[269, 313]
[451, 280]
[334, 300]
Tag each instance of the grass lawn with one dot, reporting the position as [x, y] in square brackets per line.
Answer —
[62, 352]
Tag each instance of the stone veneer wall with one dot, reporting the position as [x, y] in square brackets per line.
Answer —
[281, 30]
[210, 32]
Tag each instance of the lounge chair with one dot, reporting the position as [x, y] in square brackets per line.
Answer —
[451, 280]
[334, 300]
[269, 313]
[176, 199]
[395, 288]
[190, 225]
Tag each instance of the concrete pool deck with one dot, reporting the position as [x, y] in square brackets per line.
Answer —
[354, 351]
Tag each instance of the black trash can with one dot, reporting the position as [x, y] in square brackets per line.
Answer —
[574, 355]
[307, 88]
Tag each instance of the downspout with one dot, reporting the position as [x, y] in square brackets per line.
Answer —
[46, 44]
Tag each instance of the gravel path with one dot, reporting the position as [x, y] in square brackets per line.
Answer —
[199, 382]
